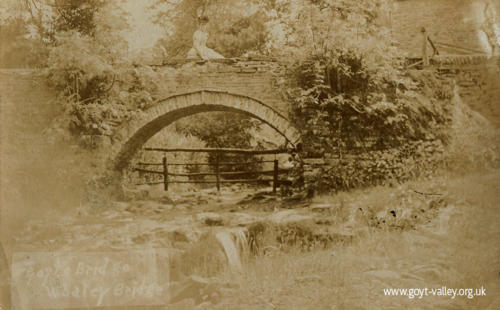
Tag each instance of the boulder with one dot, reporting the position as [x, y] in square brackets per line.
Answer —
[210, 218]
[185, 234]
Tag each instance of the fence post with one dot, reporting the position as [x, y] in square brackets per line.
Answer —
[217, 171]
[165, 173]
[275, 176]
[425, 56]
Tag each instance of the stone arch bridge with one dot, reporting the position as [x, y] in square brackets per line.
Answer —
[250, 86]
[240, 85]
[190, 87]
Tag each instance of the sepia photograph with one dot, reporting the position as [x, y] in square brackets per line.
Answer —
[249, 154]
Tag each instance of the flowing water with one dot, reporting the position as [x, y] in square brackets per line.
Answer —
[235, 245]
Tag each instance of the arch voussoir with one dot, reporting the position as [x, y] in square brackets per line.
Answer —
[133, 134]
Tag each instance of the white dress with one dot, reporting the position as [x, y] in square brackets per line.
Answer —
[200, 49]
[489, 32]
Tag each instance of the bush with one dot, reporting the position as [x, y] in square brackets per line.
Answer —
[468, 143]
[384, 167]
[98, 94]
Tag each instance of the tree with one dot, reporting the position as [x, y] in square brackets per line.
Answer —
[89, 65]
[22, 34]
[222, 130]
[236, 27]
[347, 82]
[348, 90]
[78, 16]
[33, 27]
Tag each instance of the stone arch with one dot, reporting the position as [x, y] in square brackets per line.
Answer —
[132, 135]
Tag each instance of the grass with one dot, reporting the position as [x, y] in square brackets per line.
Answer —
[461, 252]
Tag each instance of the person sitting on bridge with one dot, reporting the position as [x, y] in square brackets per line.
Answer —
[490, 29]
[200, 49]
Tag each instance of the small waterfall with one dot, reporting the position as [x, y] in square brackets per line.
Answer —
[235, 245]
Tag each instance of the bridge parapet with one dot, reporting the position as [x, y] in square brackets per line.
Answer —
[257, 78]
[460, 60]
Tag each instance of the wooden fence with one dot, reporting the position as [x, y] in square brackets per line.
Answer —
[169, 177]
[457, 51]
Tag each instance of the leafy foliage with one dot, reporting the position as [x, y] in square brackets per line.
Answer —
[347, 88]
[23, 35]
[219, 130]
[350, 95]
[236, 27]
[362, 115]
[79, 16]
[88, 64]
[382, 167]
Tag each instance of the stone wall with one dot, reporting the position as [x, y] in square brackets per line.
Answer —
[253, 78]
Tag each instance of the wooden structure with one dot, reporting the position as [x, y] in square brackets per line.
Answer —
[450, 53]
[170, 178]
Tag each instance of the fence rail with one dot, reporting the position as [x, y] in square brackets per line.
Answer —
[458, 51]
[208, 164]
[197, 174]
[218, 150]
[466, 50]
[275, 172]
